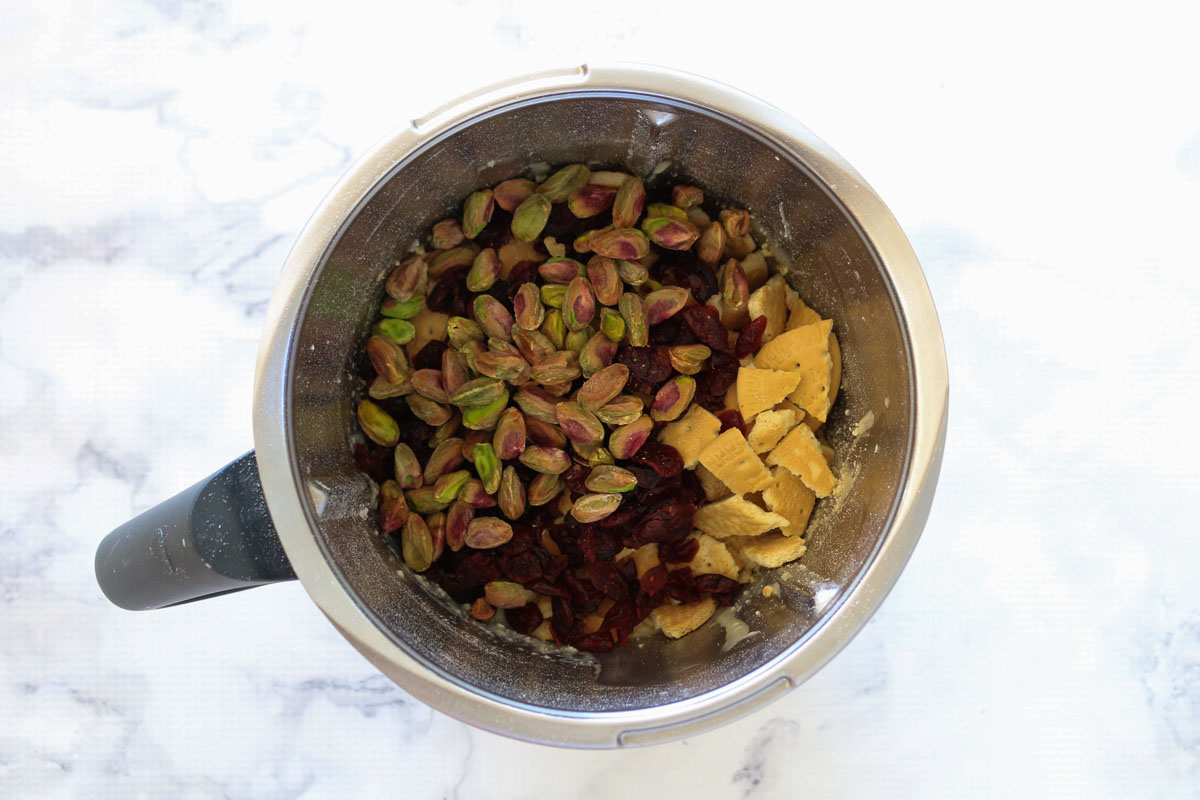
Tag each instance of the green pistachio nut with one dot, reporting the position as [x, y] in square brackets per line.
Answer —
[665, 303]
[583, 242]
[502, 366]
[388, 359]
[596, 354]
[377, 424]
[621, 243]
[554, 328]
[559, 366]
[537, 403]
[671, 233]
[628, 204]
[549, 460]
[447, 429]
[511, 495]
[665, 210]
[485, 418]
[477, 212]
[543, 488]
[460, 330]
[444, 459]
[626, 440]
[400, 331]
[394, 309]
[446, 260]
[454, 371]
[605, 280]
[545, 434]
[474, 495]
[484, 533]
[532, 345]
[608, 478]
[509, 438]
[428, 411]
[612, 324]
[686, 197]
[511, 193]
[407, 468]
[458, 517]
[447, 487]
[735, 289]
[633, 311]
[422, 501]
[558, 187]
[393, 510]
[560, 270]
[382, 389]
[595, 507]
[407, 278]
[528, 311]
[588, 201]
[620, 410]
[632, 272]
[507, 594]
[446, 234]
[487, 466]
[613, 180]
[673, 398]
[493, 317]
[603, 386]
[428, 383]
[711, 243]
[416, 544]
[736, 222]
[578, 424]
[688, 359]
[553, 295]
[530, 217]
[579, 307]
[484, 270]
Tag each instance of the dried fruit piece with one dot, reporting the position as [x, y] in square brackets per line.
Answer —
[407, 278]
[509, 439]
[558, 187]
[511, 193]
[711, 243]
[530, 217]
[588, 201]
[629, 438]
[673, 398]
[665, 303]
[487, 466]
[805, 351]
[633, 312]
[621, 243]
[400, 331]
[511, 494]
[578, 424]
[688, 359]
[544, 488]
[595, 507]
[484, 270]
[609, 478]
[671, 233]
[731, 459]
[605, 280]
[447, 487]
[620, 411]
[377, 424]
[749, 338]
[416, 545]
[484, 533]
[393, 510]
[801, 453]
[477, 212]
[493, 317]
[628, 203]
[603, 386]
[548, 460]
[686, 197]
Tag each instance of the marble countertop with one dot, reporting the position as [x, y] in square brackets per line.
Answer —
[157, 161]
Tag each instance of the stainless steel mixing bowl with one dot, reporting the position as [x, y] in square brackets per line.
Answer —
[849, 259]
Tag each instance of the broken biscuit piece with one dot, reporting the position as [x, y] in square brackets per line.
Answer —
[713, 558]
[803, 350]
[690, 434]
[771, 549]
[771, 301]
[791, 499]
[801, 453]
[736, 516]
[735, 464]
[760, 389]
[676, 621]
[770, 427]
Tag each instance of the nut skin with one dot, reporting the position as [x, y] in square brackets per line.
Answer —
[380, 389]
[579, 307]
[444, 459]
[528, 311]
[633, 273]
[511, 495]
[628, 204]
[502, 365]
[458, 517]
[507, 594]
[477, 212]
[393, 511]
[603, 386]
[428, 383]
[688, 359]
[428, 411]
[671, 233]
[673, 398]
[377, 424]
[400, 331]
[686, 197]
[422, 501]
[597, 353]
[547, 460]
[736, 222]
[511, 193]
[559, 366]
[558, 187]
[543, 488]
[407, 278]
[711, 243]
[484, 533]
[665, 210]
[588, 201]
[406, 310]
[493, 317]
[560, 270]
[446, 260]
[485, 418]
[608, 478]
[612, 324]
[595, 507]
[388, 359]
[416, 544]
[626, 440]
[633, 311]
[477, 392]
[663, 304]
[537, 403]
[578, 424]
[448, 486]
[445, 234]
[460, 330]
[454, 371]
[485, 268]
[532, 345]
[474, 495]
[554, 328]
[545, 434]
[437, 532]
[407, 468]
[621, 243]
[530, 217]
[605, 279]
[509, 438]
[487, 466]
[620, 410]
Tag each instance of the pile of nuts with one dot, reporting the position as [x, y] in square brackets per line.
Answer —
[513, 390]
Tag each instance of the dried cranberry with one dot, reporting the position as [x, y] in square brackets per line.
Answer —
[524, 619]
[594, 643]
[750, 338]
[607, 579]
[585, 598]
[662, 458]
[543, 586]
[523, 272]
[498, 231]
[554, 567]
[680, 551]
[647, 365]
[654, 580]
[575, 477]
[710, 402]
[596, 544]
[663, 524]
[522, 567]
[375, 461]
[429, 356]
[705, 322]
[720, 374]
[695, 276]
[715, 583]
[562, 618]
[732, 418]
[665, 332]
[478, 568]
[621, 517]
[450, 295]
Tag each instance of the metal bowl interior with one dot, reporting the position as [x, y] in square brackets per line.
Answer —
[833, 265]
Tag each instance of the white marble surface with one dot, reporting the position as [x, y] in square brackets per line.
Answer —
[156, 161]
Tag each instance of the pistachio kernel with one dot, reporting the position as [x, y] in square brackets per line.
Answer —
[377, 424]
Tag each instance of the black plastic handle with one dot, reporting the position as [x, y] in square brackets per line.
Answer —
[213, 538]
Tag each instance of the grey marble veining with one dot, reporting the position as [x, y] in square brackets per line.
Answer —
[157, 161]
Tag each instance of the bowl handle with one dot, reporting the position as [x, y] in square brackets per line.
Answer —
[213, 538]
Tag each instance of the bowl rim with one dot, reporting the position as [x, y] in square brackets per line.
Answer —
[282, 487]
